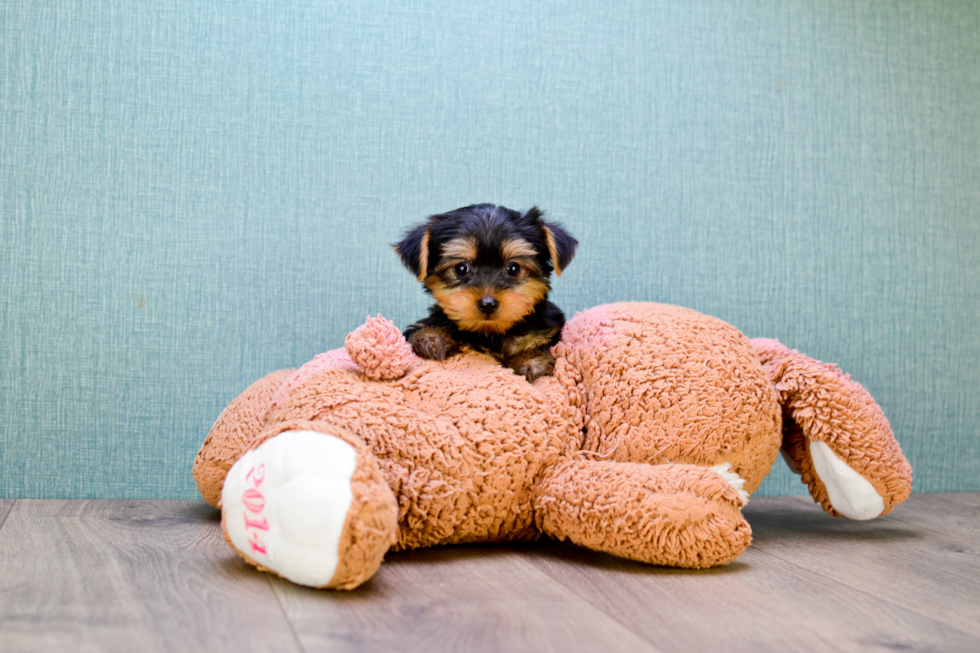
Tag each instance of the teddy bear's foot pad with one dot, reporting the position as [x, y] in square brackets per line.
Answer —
[285, 504]
[849, 493]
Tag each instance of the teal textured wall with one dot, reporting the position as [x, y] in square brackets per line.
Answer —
[195, 194]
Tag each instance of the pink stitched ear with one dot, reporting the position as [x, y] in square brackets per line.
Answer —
[380, 350]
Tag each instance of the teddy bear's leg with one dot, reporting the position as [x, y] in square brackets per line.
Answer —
[835, 436]
[674, 515]
[308, 502]
[236, 426]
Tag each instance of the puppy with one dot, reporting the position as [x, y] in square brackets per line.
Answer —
[488, 269]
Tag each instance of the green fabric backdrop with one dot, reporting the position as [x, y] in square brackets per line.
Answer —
[193, 194]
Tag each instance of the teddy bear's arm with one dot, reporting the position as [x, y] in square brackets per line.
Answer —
[676, 515]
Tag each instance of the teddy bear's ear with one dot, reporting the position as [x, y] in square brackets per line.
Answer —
[561, 244]
[414, 250]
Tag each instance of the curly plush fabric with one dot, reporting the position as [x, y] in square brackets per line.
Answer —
[370, 525]
[664, 384]
[822, 404]
[238, 425]
[460, 443]
[379, 350]
[640, 445]
[678, 515]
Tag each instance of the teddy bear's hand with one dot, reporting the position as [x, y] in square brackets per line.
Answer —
[532, 364]
[675, 515]
[434, 343]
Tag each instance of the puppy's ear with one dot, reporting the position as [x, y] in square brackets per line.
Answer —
[561, 244]
[414, 251]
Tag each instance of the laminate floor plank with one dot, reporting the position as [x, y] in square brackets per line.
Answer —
[956, 514]
[157, 576]
[757, 603]
[5, 506]
[932, 573]
[465, 598]
[130, 576]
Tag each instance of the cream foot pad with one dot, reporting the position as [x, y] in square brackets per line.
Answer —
[850, 493]
[736, 481]
[285, 504]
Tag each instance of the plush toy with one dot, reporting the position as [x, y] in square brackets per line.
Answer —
[656, 426]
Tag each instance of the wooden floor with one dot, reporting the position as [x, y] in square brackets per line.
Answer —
[156, 576]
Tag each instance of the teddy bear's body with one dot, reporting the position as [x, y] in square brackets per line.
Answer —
[656, 424]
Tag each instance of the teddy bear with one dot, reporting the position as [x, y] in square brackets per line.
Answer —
[656, 426]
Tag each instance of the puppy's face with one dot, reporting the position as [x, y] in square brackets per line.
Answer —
[487, 283]
[486, 266]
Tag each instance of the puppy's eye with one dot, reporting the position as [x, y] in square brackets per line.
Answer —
[461, 269]
[513, 269]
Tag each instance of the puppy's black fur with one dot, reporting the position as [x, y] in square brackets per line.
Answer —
[488, 268]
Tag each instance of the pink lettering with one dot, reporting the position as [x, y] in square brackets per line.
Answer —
[253, 500]
[259, 475]
[256, 543]
[255, 503]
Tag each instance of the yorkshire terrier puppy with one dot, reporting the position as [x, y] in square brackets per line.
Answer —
[488, 269]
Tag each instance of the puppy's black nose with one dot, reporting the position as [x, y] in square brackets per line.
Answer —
[487, 305]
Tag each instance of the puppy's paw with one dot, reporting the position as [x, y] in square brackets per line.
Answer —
[433, 343]
[532, 365]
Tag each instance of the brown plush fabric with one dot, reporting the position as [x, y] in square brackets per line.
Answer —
[369, 531]
[676, 515]
[664, 384]
[239, 424]
[824, 404]
[371, 527]
[379, 350]
[460, 443]
[613, 452]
